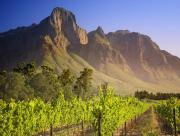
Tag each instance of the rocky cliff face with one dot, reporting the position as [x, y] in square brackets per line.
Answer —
[142, 55]
[99, 52]
[130, 52]
[128, 58]
[26, 43]
[64, 22]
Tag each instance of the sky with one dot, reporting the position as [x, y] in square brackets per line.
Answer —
[159, 19]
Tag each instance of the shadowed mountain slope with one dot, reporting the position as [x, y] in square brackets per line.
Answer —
[127, 60]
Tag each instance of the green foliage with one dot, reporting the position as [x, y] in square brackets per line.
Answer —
[56, 104]
[3, 76]
[30, 117]
[27, 69]
[42, 87]
[165, 110]
[114, 110]
[27, 82]
[51, 78]
[13, 85]
[83, 85]
[158, 96]
[66, 80]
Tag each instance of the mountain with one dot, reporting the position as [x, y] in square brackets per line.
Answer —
[127, 60]
[54, 33]
[144, 56]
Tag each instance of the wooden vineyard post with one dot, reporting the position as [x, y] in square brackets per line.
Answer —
[51, 130]
[68, 129]
[99, 125]
[82, 126]
[125, 129]
[174, 120]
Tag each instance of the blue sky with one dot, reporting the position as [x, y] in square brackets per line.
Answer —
[160, 19]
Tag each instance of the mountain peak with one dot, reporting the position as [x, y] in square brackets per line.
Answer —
[100, 31]
[60, 15]
[62, 12]
[64, 24]
[60, 9]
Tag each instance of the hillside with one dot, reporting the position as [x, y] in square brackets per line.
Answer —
[126, 60]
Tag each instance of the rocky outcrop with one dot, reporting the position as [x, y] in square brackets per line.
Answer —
[64, 21]
[25, 43]
[143, 56]
[99, 51]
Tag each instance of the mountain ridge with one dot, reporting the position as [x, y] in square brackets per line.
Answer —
[132, 60]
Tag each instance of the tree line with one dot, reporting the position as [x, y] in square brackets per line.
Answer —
[155, 96]
[26, 81]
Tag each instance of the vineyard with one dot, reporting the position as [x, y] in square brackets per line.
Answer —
[105, 112]
[169, 112]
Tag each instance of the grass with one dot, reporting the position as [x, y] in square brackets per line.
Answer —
[146, 125]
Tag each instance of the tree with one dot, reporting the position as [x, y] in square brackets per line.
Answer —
[46, 70]
[83, 85]
[14, 86]
[28, 69]
[42, 87]
[3, 76]
[104, 88]
[51, 77]
[67, 79]
[45, 83]
[141, 94]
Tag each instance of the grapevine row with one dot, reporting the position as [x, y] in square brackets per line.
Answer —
[30, 117]
[169, 111]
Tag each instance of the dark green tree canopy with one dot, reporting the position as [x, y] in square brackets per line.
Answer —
[83, 85]
[14, 86]
[66, 78]
[27, 81]
[27, 69]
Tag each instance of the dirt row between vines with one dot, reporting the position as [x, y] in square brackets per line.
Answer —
[148, 124]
